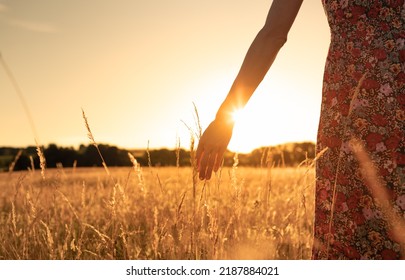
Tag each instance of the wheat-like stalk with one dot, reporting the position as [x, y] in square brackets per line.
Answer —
[138, 170]
[16, 158]
[94, 143]
[42, 160]
[32, 164]
[378, 190]
[49, 239]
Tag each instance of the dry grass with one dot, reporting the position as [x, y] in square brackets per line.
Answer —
[156, 213]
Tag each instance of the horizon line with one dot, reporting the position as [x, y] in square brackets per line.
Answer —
[75, 146]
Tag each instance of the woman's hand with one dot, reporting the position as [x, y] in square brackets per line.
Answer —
[212, 146]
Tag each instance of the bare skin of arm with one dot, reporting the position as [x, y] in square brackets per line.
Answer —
[257, 62]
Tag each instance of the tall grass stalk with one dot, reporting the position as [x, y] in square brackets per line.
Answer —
[16, 158]
[42, 160]
[94, 143]
[378, 190]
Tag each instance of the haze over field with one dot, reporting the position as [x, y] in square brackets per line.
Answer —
[136, 67]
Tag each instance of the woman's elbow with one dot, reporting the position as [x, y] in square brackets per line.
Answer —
[273, 36]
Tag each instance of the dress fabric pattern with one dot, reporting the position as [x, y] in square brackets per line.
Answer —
[363, 102]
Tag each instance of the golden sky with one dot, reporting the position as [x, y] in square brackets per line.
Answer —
[136, 68]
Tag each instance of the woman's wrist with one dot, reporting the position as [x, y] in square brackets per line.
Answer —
[225, 117]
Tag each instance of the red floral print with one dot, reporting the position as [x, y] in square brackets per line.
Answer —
[363, 98]
[373, 139]
[379, 120]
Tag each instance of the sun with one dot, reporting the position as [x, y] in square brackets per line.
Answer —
[237, 115]
[269, 120]
[242, 141]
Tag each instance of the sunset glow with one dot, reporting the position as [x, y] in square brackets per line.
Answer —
[137, 67]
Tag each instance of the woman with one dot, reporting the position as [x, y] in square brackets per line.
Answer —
[360, 187]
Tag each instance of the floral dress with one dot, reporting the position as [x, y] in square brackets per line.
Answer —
[360, 189]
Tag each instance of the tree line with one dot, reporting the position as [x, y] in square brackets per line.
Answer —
[290, 154]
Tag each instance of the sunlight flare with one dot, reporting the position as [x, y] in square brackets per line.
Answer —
[237, 115]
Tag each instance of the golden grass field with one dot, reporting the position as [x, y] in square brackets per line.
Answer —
[157, 213]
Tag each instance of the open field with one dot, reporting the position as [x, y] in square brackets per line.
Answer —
[156, 213]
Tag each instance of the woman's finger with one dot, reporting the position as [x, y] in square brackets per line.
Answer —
[199, 154]
[205, 157]
[210, 165]
[219, 158]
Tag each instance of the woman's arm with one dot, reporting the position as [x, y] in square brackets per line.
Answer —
[257, 62]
